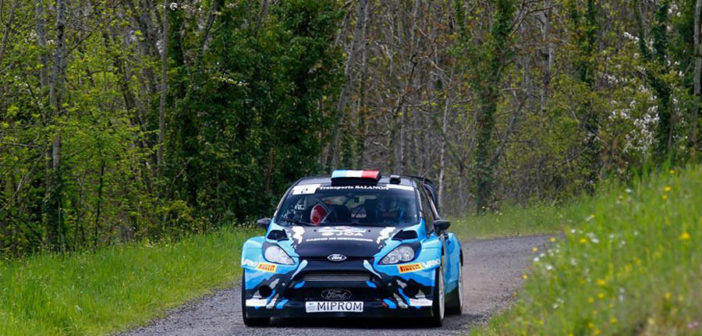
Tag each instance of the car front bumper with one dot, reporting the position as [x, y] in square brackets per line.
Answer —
[284, 294]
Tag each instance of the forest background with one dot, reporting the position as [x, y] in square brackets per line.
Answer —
[126, 120]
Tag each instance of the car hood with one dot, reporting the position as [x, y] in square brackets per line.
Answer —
[351, 241]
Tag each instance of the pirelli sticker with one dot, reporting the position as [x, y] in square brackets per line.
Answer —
[409, 268]
[266, 267]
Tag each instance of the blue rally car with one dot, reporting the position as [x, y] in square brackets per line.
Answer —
[356, 244]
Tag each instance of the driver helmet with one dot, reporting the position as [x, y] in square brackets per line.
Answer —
[318, 214]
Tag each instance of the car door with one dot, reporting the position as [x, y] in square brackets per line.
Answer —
[429, 215]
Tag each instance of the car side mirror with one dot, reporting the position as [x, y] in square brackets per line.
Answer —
[263, 222]
[441, 225]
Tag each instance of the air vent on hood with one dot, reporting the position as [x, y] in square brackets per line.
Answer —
[405, 234]
[277, 235]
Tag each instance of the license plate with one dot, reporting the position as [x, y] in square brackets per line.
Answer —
[334, 306]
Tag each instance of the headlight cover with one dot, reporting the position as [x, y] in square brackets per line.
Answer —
[275, 254]
[402, 253]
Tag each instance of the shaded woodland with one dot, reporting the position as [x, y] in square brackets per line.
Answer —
[135, 119]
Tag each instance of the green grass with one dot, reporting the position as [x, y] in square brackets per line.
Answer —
[510, 221]
[515, 220]
[114, 288]
[629, 263]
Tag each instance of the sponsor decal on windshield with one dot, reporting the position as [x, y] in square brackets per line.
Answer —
[409, 268]
[306, 189]
[354, 187]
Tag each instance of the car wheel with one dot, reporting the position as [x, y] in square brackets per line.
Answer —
[455, 300]
[438, 298]
[250, 321]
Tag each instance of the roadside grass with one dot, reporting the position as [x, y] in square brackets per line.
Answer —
[116, 287]
[515, 220]
[510, 221]
[629, 262]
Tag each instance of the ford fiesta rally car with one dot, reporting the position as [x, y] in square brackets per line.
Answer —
[353, 245]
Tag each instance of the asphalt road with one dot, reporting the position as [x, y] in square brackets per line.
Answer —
[492, 273]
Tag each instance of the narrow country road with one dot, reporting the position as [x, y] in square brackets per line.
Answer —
[492, 273]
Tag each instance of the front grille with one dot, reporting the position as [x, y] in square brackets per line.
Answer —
[336, 276]
[315, 294]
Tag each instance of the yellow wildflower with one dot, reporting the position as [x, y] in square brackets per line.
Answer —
[596, 331]
[590, 300]
[666, 189]
[590, 325]
[685, 236]
[672, 172]
[553, 239]
[600, 295]
[667, 295]
[601, 282]
[534, 249]
[583, 240]
[664, 197]
[524, 276]
[613, 320]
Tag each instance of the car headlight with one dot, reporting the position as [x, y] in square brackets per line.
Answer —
[275, 254]
[402, 253]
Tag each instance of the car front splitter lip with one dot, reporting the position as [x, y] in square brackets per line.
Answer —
[295, 309]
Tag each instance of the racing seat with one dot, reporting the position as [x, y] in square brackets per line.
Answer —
[340, 214]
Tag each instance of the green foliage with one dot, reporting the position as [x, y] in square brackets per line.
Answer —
[627, 264]
[116, 287]
[487, 59]
[248, 105]
[253, 108]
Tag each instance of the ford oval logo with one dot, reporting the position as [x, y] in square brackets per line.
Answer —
[336, 257]
[336, 294]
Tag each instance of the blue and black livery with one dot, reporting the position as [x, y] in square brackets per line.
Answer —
[353, 244]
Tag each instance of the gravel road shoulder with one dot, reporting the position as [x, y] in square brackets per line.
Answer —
[492, 274]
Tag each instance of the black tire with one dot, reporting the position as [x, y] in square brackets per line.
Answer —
[454, 301]
[438, 299]
[250, 321]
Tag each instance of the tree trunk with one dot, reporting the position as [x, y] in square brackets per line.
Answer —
[697, 75]
[362, 109]
[546, 90]
[444, 139]
[488, 96]
[8, 28]
[164, 91]
[56, 92]
[362, 9]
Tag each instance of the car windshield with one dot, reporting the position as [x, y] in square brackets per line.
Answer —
[382, 205]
